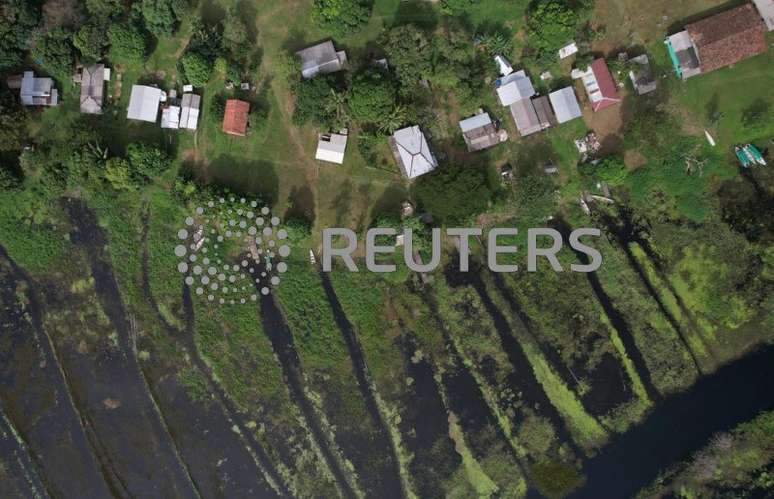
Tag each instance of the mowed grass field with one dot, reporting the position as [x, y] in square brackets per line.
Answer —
[277, 162]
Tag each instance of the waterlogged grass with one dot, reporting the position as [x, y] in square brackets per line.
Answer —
[694, 338]
[477, 477]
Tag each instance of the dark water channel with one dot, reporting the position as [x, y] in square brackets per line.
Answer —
[681, 425]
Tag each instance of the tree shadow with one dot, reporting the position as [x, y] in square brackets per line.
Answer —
[244, 176]
[212, 12]
[247, 11]
[419, 12]
[679, 24]
[301, 205]
[342, 203]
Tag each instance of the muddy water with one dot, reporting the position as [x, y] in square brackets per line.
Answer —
[284, 348]
[386, 481]
[424, 423]
[34, 393]
[522, 380]
[227, 462]
[608, 388]
[110, 390]
[19, 475]
[681, 425]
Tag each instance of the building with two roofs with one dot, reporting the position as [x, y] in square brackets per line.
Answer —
[331, 147]
[480, 132]
[34, 91]
[322, 58]
[514, 87]
[190, 106]
[565, 104]
[600, 86]
[92, 80]
[144, 103]
[718, 41]
[235, 117]
[170, 117]
[412, 152]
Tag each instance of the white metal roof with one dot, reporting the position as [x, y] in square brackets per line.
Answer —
[565, 104]
[170, 117]
[766, 10]
[189, 111]
[505, 66]
[568, 50]
[144, 103]
[515, 87]
[474, 122]
[321, 58]
[331, 148]
[414, 152]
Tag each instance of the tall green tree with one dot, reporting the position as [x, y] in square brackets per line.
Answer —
[17, 20]
[162, 16]
[127, 43]
[197, 69]
[407, 48]
[341, 17]
[54, 51]
[91, 40]
[372, 96]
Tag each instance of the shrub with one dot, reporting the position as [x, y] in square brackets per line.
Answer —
[550, 25]
[454, 193]
[407, 48]
[341, 17]
[146, 161]
[17, 20]
[162, 16]
[197, 69]
[54, 51]
[127, 43]
[312, 101]
[372, 97]
[91, 40]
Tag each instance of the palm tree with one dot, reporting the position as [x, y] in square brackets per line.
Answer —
[394, 120]
[338, 105]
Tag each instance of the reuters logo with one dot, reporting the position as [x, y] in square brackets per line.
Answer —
[230, 251]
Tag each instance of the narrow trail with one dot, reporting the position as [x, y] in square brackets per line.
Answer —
[367, 387]
[281, 339]
[187, 339]
[105, 480]
[617, 320]
[523, 377]
[623, 242]
[90, 237]
[23, 467]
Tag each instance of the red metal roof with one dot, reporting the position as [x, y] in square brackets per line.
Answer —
[235, 117]
[607, 87]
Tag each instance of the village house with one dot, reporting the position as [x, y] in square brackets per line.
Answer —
[144, 103]
[235, 117]
[525, 116]
[641, 75]
[480, 132]
[600, 86]
[190, 105]
[565, 104]
[717, 41]
[321, 59]
[92, 81]
[34, 91]
[545, 114]
[514, 87]
[170, 117]
[331, 147]
[412, 152]
[766, 10]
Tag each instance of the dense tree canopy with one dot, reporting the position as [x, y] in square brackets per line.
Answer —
[54, 51]
[313, 100]
[13, 123]
[105, 9]
[407, 49]
[162, 16]
[197, 69]
[372, 97]
[127, 43]
[550, 25]
[17, 20]
[91, 40]
[454, 193]
[341, 17]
